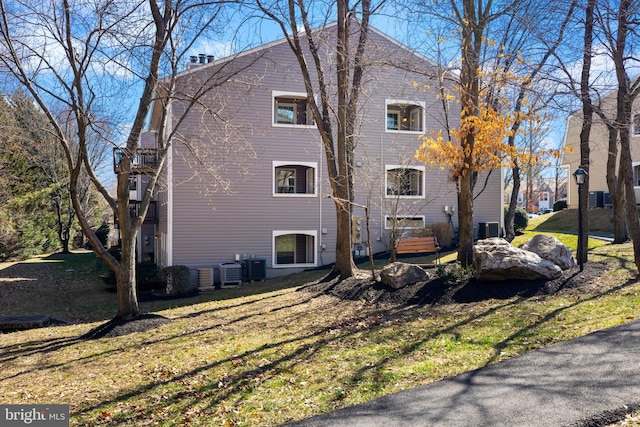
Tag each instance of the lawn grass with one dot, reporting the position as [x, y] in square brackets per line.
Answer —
[600, 221]
[273, 352]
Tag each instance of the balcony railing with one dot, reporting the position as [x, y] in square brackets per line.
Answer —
[134, 210]
[145, 160]
[152, 211]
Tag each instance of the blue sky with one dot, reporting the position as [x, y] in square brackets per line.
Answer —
[260, 31]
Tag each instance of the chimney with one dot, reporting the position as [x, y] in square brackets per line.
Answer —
[203, 57]
[193, 59]
[210, 58]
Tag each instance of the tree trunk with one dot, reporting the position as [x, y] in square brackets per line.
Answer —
[585, 132]
[465, 220]
[620, 224]
[471, 45]
[65, 246]
[616, 192]
[126, 280]
[626, 174]
[344, 261]
[513, 202]
[126, 268]
[623, 118]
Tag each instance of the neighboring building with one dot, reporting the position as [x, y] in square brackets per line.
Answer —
[543, 196]
[599, 148]
[257, 136]
[545, 192]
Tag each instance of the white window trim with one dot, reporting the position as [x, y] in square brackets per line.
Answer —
[634, 130]
[279, 93]
[421, 104]
[276, 233]
[423, 169]
[279, 163]
[387, 217]
[415, 114]
[633, 166]
[136, 195]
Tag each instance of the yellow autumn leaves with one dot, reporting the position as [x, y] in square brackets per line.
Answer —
[480, 143]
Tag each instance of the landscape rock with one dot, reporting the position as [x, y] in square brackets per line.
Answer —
[497, 259]
[551, 249]
[400, 274]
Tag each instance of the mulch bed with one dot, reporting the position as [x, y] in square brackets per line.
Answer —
[118, 326]
[435, 291]
[438, 291]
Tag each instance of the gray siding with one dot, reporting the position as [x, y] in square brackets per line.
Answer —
[212, 223]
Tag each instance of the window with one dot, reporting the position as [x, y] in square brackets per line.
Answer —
[291, 109]
[285, 113]
[133, 182]
[405, 181]
[404, 222]
[294, 178]
[636, 174]
[405, 116]
[294, 248]
[285, 180]
[636, 124]
[133, 187]
[393, 120]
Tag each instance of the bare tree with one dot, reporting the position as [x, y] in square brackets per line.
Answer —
[335, 116]
[64, 55]
[526, 86]
[616, 26]
[473, 19]
[627, 92]
[587, 118]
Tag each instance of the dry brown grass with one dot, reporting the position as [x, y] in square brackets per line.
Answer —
[270, 352]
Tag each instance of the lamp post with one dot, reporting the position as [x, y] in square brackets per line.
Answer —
[580, 176]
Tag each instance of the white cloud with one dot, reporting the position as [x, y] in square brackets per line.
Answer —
[602, 73]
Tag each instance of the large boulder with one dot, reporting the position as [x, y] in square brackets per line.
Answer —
[496, 259]
[551, 249]
[400, 274]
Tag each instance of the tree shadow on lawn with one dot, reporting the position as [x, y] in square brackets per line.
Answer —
[234, 386]
[433, 292]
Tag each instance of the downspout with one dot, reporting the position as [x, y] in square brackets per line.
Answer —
[139, 234]
[502, 201]
[382, 182]
[169, 165]
[319, 173]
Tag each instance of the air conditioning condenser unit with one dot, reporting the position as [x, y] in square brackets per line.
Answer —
[230, 274]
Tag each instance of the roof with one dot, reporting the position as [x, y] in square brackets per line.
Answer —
[284, 40]
[217, 62]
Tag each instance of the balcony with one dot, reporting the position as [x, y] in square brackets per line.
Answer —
[152, 212]
[134, 210]
[145, 160]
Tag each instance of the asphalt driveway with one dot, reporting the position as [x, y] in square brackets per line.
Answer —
[584, 382]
